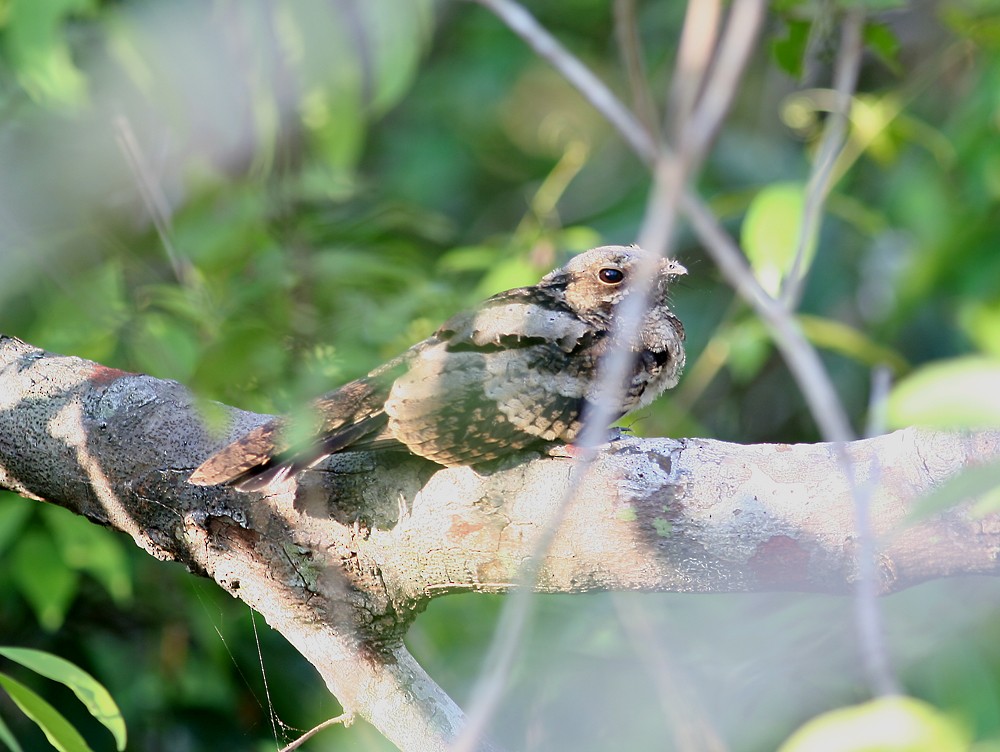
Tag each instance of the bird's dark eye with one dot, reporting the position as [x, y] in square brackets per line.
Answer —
[611, 276]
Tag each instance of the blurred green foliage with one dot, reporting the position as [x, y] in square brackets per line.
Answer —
[263, 200]
[50, 721]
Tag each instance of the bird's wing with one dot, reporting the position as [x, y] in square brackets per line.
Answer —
[270, 452]
[515, 319]
[507, 375]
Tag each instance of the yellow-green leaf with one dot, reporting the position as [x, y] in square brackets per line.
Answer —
[888, 724]
[58, 730]
[839, 337]
[957, 393]
[89, 691]
[979, 482]
[770, 233]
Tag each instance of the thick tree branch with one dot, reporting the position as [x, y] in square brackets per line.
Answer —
[343, 562]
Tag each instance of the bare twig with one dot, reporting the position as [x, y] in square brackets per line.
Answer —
[517, 611]
[701, 28]
[734, 50]
[345, 719]
[866, 607]
[821, 180]
[547, 47]
[881, 384]
[664, 206]
[867, 612]
[801, 357]
[670, 174]
[799, 354]
[627, 34]
[152, 195]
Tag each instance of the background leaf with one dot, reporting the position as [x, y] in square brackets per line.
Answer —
[7, 738]
[959, 393]
[890, 724]
[770, 233]
[58, 730]
[89, 691]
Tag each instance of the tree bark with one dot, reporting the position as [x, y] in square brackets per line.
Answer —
[342, 561]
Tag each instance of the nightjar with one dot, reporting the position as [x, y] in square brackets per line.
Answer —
[515, 373]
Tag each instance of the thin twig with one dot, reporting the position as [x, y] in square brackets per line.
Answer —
[734, 48]
[802, 359]
[881, 384]
[627, 34]
[547, 47]
[694, 53]
[821, 180]
[615, 366]
[867, 613]
[344, 718]
[670, 175]
[152, 196]
[517, 610]
[509, 631]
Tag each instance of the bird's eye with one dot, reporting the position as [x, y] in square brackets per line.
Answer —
[611, 276]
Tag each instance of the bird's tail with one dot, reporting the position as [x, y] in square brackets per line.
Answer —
[245, 460]
[263, 457]
[284, 447]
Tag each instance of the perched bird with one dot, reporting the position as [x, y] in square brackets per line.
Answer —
[514, 373]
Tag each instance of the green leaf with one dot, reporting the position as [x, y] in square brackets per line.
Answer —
[474, 258]
[14, 512]
[507, 274]
[770, 233]
[790, 51]
[838, 337]
[165, 346]
[58, 730]
[889, 724]
[957, 393]
[43, 578]
[7, 738]
[975, 24]
[749, 348]
[89, 691]
[95, 550]
[977, 482]
[980, 319]
[36, 43]
[89, 322]
[882, 41]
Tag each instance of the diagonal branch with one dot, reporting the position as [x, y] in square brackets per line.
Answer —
[342, 579]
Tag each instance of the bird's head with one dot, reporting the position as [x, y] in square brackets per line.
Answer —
[596, 281]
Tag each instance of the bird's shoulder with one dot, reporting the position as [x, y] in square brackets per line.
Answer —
[517, 318]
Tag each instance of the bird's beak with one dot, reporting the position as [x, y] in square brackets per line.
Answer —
[675, 268]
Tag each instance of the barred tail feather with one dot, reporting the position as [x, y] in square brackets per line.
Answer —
[253, 453]
[261, 459]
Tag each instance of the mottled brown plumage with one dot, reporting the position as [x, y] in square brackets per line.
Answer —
[516, 372]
